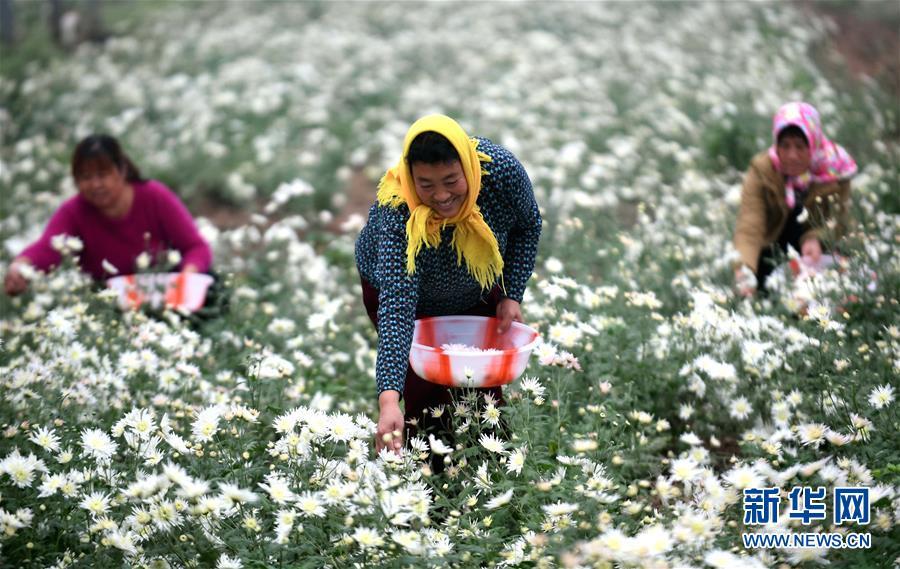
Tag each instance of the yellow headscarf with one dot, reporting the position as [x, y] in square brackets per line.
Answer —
[473, 240]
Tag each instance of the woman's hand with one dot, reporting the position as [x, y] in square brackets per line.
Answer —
[508, 310]
[390, 422]
[15, 282]
[745, 281]
[811, 250]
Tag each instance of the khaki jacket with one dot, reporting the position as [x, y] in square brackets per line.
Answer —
[764, 211]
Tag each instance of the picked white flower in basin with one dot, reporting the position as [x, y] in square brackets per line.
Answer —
[467, 351]
[180, 291]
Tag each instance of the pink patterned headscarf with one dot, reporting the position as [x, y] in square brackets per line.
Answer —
[830, 162]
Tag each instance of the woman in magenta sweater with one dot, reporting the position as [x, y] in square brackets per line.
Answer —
[117, 215]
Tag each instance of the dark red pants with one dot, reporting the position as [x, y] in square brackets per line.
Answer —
[420, 394]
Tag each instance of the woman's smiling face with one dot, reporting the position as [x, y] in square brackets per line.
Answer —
[100, 183]
[441, 186]
[794, 154]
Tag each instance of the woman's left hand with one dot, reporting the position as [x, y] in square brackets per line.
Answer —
[507, 311]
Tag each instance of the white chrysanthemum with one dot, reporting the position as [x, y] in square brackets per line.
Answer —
[77, 353]
[418, 445]
[691, 439]
[193, 489]
[808, 469]
[491, 415]
[861, 423]
[285, 422]
[559, 509]
[21, 469]
[166, 515]
[744, 477]
[721, 559]
[282, 326]
[342, 428]
[10, 522]
[318, 422]
[565, 335]
[881, 396]
[492, 443]
[206, 425]
[716, 369]
[233, 494]
[553, 290]
[60, 323]
[699, 454]
[321, 401]
[581, 446]
[812, 433]
[438, 446]
[173, 257]
[278, 489]
[367, 538]
[546, 353]
[50, 485]
[335, 493]
[482, 477]
[653, 541]
[641, 417]
[753, 352]
[178, 443]
[97, 444]
[808, 556]
[553, 265]
[411, 541]
[226, 562]
[794, 398]
[781, 412]
[439, 543]
[740, 408]
[532, 385]
[284, 524]
[500, 500]
[837, 439]
[96, 503]
[684, 469]
[109, 267]
[310, 505]
[271, 366]
[142, 422]
[516, 461]
[125, 541]
[142, 261]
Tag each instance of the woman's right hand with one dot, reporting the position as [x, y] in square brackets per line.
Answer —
[390, 422]
[15, 282]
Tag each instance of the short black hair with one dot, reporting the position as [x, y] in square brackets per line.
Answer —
[792, 131]
[108, 152]
[431, 148]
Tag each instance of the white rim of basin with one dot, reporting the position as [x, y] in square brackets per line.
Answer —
[529, 346]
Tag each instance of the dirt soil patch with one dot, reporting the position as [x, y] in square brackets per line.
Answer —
[360, 192]
[867, 35]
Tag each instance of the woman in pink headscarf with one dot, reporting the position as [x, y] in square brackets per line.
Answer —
[796, 193]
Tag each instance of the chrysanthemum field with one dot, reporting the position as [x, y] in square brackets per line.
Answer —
[657, 397]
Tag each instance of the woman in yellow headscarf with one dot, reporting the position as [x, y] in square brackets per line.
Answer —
[454, 230]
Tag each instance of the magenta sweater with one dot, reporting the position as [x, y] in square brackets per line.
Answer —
[156, 222]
